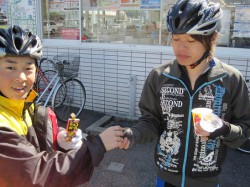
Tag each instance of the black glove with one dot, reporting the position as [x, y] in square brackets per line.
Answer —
[223, 131]
[128, 133]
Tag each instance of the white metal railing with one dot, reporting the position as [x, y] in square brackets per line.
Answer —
[114, 78]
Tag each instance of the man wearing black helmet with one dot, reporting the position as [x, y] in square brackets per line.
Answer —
[24, 160]
[186, 154]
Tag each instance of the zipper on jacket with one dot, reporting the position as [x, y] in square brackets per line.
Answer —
[189, 125]
[26, 105]
[189, 120]
[188, 130]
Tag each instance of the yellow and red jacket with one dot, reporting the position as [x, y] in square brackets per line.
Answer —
[26, 161]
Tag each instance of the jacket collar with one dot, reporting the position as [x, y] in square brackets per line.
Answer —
[216, 71]
[173, 69]
[17, 106]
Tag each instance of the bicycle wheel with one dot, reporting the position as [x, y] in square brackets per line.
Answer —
[68, 98]
[245, 147]
[43, 82]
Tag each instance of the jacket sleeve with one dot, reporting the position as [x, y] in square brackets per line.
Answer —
[239, 120]
[21, 164]
[149, 124]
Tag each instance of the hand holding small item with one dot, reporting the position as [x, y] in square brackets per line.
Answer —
[208, 125]
[112, 137]
[128, 139]
[74, 143]
[71, 138]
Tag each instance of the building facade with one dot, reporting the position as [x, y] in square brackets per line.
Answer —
[120, 41]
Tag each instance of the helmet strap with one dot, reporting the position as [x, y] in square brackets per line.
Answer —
[205, 55]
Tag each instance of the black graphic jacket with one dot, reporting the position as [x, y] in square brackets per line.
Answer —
[166, 104]
[27, 155]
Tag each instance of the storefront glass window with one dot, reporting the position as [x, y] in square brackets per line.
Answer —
[3, 15]
[121, 26]
[133, 21]
[124, 21]
[61, 19]
[19, 12]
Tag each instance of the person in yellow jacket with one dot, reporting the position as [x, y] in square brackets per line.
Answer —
[27, 154]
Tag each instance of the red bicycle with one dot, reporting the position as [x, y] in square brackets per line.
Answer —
[44, 76]
[58, 86]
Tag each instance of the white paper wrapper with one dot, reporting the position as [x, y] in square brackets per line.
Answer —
[211, 124]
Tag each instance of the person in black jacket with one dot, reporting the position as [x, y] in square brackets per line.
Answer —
[27, 154]
[187, 154]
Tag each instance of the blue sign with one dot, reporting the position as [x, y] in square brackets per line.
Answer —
[150, 4]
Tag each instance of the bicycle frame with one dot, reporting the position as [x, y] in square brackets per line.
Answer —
[45, 80]
[54, 80]
[57, 90]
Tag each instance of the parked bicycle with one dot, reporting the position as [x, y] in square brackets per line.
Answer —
[59, 87]
[44, 76]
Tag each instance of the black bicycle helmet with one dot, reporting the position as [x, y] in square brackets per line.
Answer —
[15, 41]
[194, 17]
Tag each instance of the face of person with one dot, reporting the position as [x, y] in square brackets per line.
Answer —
[186, 49]
[17, 76]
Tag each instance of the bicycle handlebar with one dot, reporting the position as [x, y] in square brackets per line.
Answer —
[66, 62]
[58, 64]
[41, 61]
[54, 61]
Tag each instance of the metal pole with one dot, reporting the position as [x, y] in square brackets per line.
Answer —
[132, 95]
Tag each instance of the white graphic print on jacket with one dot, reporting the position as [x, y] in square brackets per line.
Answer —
[171, 148]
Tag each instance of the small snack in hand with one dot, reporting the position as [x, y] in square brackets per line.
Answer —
[72, 127]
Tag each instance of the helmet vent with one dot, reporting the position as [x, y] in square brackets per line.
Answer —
[177, 22]
[29, 34]
[194, 20]
[183, 6]
[18, 43]
[208, 27]
[34, 42]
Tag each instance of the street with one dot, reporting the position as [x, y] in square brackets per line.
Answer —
[136, 168]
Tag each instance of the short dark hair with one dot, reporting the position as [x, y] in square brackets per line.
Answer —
[205, 40]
